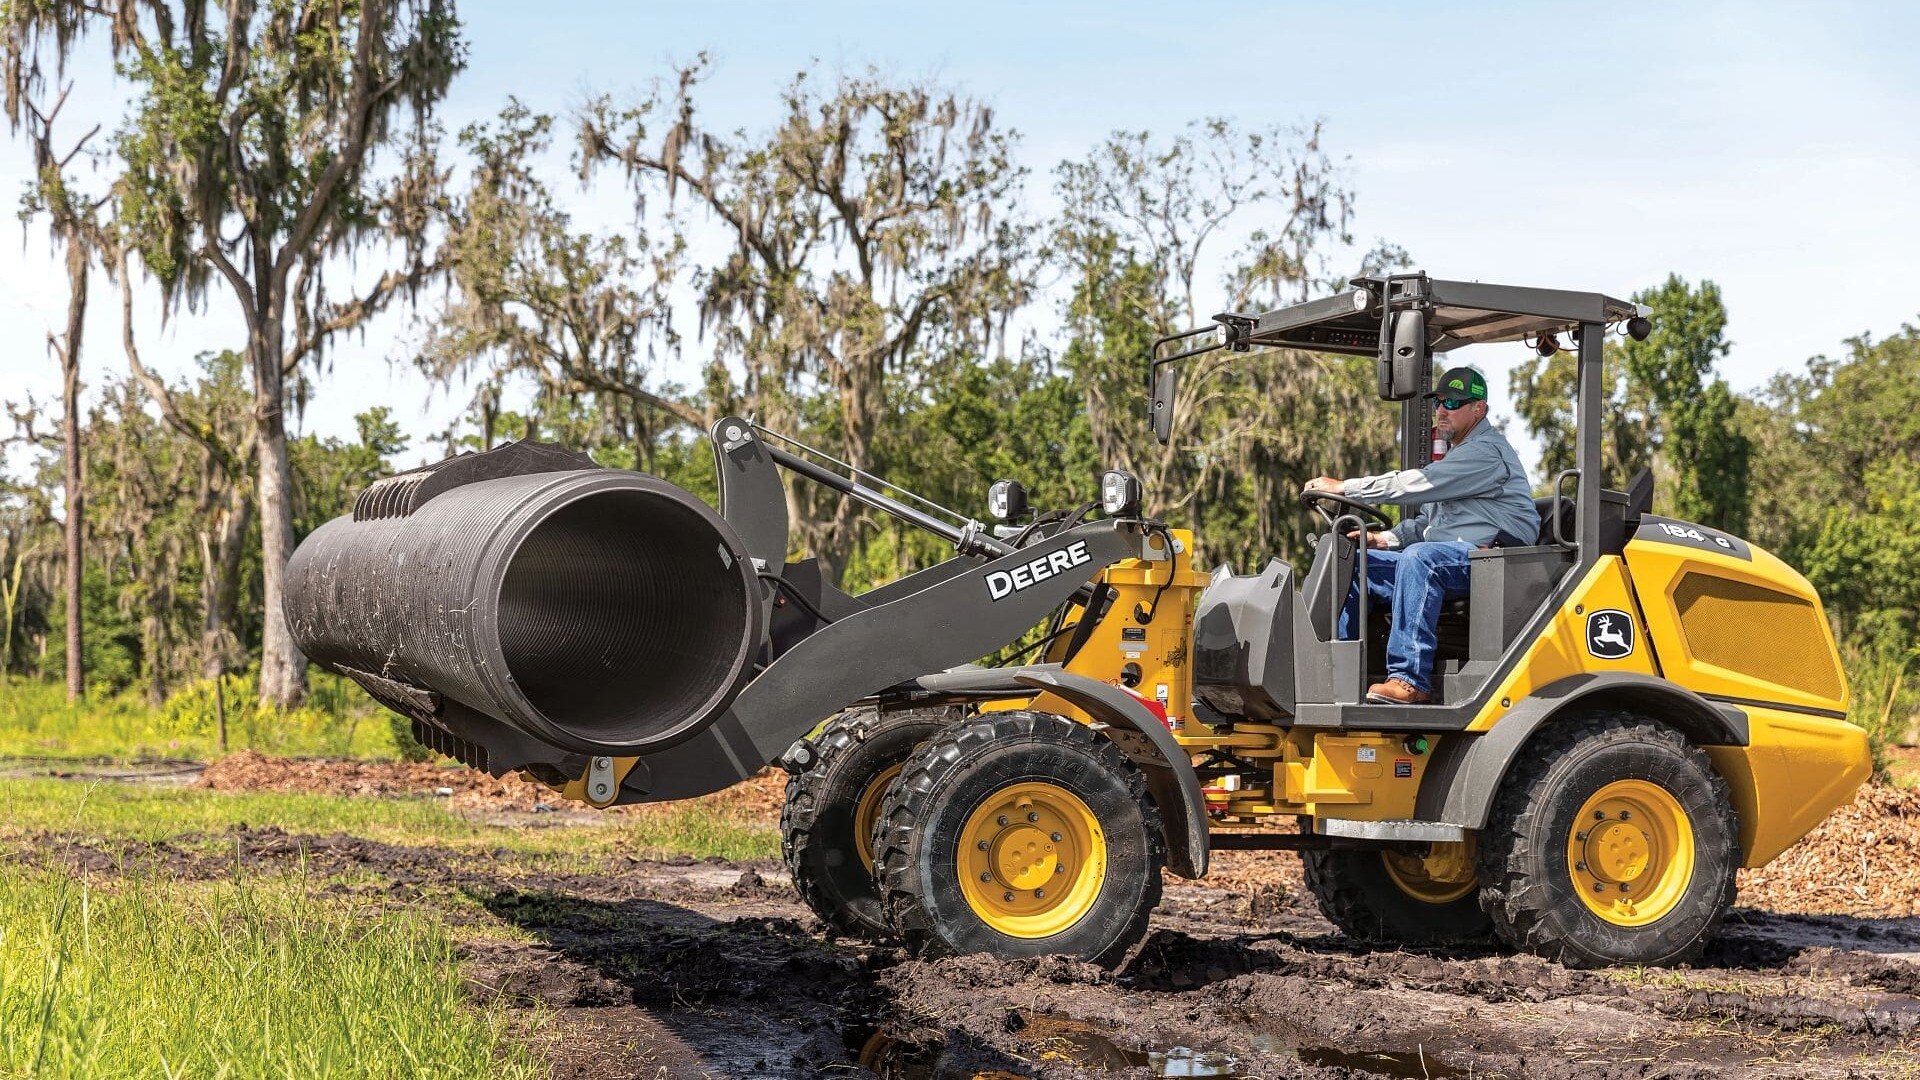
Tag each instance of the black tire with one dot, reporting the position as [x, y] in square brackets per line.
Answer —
[1358, 895]
[820, 834]
[918, 838]
[1527, 886]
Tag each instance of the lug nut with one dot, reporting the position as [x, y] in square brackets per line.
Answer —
[985, 876]
[1032, 817]
[982, 845]
[1599, 815]
[1059, 868]
[1579, 838]
[1056, 838]
[1599, 887]
[1624, 816]
[1039, 894]
[1008, 898]
[1579, 866]
[1002, 819]
[1623, 886]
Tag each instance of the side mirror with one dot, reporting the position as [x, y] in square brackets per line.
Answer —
[1405, 362]
[1162, 412]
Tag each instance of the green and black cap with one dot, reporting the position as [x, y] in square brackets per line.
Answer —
[1460, 382]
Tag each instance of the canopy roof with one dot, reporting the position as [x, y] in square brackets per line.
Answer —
[1458, 313]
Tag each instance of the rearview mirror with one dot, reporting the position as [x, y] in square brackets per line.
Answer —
[1405, 362]
[1163, 383]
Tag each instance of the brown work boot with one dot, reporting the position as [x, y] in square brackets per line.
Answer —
[1397, 691]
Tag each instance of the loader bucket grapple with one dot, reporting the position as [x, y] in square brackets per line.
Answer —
[599, 610]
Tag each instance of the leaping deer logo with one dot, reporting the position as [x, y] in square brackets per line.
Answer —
[1610, 634]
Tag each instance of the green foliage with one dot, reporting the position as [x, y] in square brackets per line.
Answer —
[1663, 408]
[240, 977]
[338, 720]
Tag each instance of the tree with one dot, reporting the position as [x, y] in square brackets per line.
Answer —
[74, 225]
[1665, 408]
[576, 313]
[868, 235]
[1134, 236]
[249, 163]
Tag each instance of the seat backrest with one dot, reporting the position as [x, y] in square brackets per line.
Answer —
[1553, 507]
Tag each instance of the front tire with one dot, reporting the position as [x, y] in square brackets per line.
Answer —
[1020, 834]
[826, 821]
[1613, 841]
[1400, 897]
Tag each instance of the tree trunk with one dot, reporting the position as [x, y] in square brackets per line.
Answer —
[77, 262]
[283, 670]
[219, 578]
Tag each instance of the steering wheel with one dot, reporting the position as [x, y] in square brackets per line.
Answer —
[1316, 501]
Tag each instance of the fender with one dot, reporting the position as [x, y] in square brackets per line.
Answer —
[1130, 725]
[1466, 772]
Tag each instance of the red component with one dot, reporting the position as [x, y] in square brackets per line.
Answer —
[1153, 706]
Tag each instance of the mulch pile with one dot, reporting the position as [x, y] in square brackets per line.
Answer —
[464, 788]
[1863, 861]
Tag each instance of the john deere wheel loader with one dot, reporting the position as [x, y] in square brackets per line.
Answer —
[1624, 713]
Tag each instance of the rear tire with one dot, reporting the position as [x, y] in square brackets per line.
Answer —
[1372, 899]
[1020, 834]
[826, 822]
[1612, 841]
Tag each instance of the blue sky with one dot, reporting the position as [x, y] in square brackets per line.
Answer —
[1772, 148]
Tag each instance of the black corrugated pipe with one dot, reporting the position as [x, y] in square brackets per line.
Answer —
[600, 610]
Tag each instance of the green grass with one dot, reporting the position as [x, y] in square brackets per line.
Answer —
[146, 812]
[339, 720]
[239, 979]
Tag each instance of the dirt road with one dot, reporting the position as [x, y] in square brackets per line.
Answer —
[693, 969]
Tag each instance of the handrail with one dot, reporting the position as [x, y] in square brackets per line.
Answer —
[1559, 481]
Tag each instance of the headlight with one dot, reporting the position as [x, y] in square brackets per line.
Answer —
[1119, 493]
[1007, 500]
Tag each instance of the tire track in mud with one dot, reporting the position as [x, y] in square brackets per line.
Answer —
[691, 968]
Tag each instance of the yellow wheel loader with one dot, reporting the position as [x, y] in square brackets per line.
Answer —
[1623, 714]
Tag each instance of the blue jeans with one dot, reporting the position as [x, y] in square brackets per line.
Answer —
[1415, 582]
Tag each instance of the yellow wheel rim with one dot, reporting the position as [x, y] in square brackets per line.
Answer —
[866, 810]
[1441, 876]
[1630, 852]
[1032, 859]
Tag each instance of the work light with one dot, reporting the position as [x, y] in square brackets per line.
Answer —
[1007, 500]
[1119, 493]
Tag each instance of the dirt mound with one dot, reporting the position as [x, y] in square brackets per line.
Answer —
[467, 789]
[1864, 860]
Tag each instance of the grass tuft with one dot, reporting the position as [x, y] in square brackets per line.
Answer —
[238, 978]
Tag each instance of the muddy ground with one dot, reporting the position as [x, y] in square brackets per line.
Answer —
[691, 969]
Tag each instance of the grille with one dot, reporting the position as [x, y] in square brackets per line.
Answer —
[1761, 633]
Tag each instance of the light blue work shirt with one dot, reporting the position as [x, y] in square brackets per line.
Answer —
[1476, 492]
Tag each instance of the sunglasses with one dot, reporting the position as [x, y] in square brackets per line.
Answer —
[1454, 404]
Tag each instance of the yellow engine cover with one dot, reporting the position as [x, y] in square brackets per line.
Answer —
[1734, 621]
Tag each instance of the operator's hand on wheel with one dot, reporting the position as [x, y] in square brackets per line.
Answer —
[1327, 484]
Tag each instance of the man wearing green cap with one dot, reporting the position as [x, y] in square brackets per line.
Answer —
[1476, 496]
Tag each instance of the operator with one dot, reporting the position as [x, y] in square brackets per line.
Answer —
[1476, 496]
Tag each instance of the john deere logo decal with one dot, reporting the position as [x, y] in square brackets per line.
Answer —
[1004, 583]
[1610, 634]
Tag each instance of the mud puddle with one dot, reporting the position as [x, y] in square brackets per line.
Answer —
[163, 772]
[1063, 1040]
